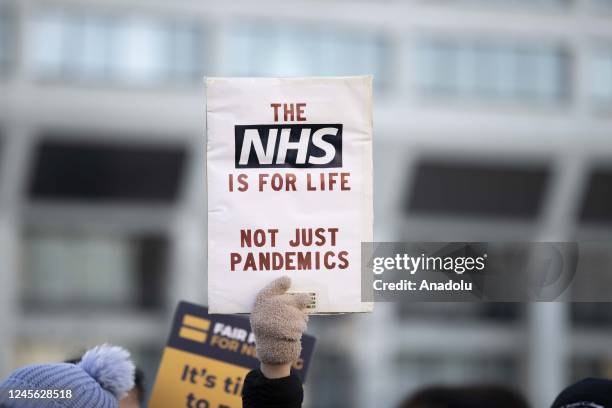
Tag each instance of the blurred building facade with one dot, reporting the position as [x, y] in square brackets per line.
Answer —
[492, 122]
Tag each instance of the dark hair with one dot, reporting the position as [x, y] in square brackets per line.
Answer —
[469, 396]
[597, 391]
[139, 380]
[139, 384]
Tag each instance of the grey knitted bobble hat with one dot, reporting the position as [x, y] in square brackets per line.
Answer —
[104, 375]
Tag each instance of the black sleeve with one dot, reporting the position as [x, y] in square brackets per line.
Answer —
[262, 392]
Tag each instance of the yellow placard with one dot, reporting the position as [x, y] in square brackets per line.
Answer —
[188, 380]
[207, 359]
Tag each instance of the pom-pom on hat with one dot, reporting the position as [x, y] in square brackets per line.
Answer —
[104, 375]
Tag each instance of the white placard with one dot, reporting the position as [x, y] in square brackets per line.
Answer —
[288, 157]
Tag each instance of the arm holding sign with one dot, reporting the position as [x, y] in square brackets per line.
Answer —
[278, 320]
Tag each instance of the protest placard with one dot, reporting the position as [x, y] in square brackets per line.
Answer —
[207, 358]
[289, 177]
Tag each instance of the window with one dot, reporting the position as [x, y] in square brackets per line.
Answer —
[592, 314]
[590, 367]
[2, 151]
[454, 311]
[72, 269]
[6, 39]
[447, 67]
[519, 3]
[597, 205]
[260, 50]
[477, 190]
[418, 371]
[604, 4]
[601, 76]
[131, 50]
[103, 172]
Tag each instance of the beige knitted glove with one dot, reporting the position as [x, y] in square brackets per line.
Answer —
[278, 321]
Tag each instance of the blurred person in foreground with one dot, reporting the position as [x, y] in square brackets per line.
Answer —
[588, 393]
[104, 375]
[278, 321]
[136, 396]
[469, 396]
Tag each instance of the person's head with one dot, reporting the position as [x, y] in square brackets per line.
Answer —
[469, 396]
[588, 393]
[136, 396]
[104, 375]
